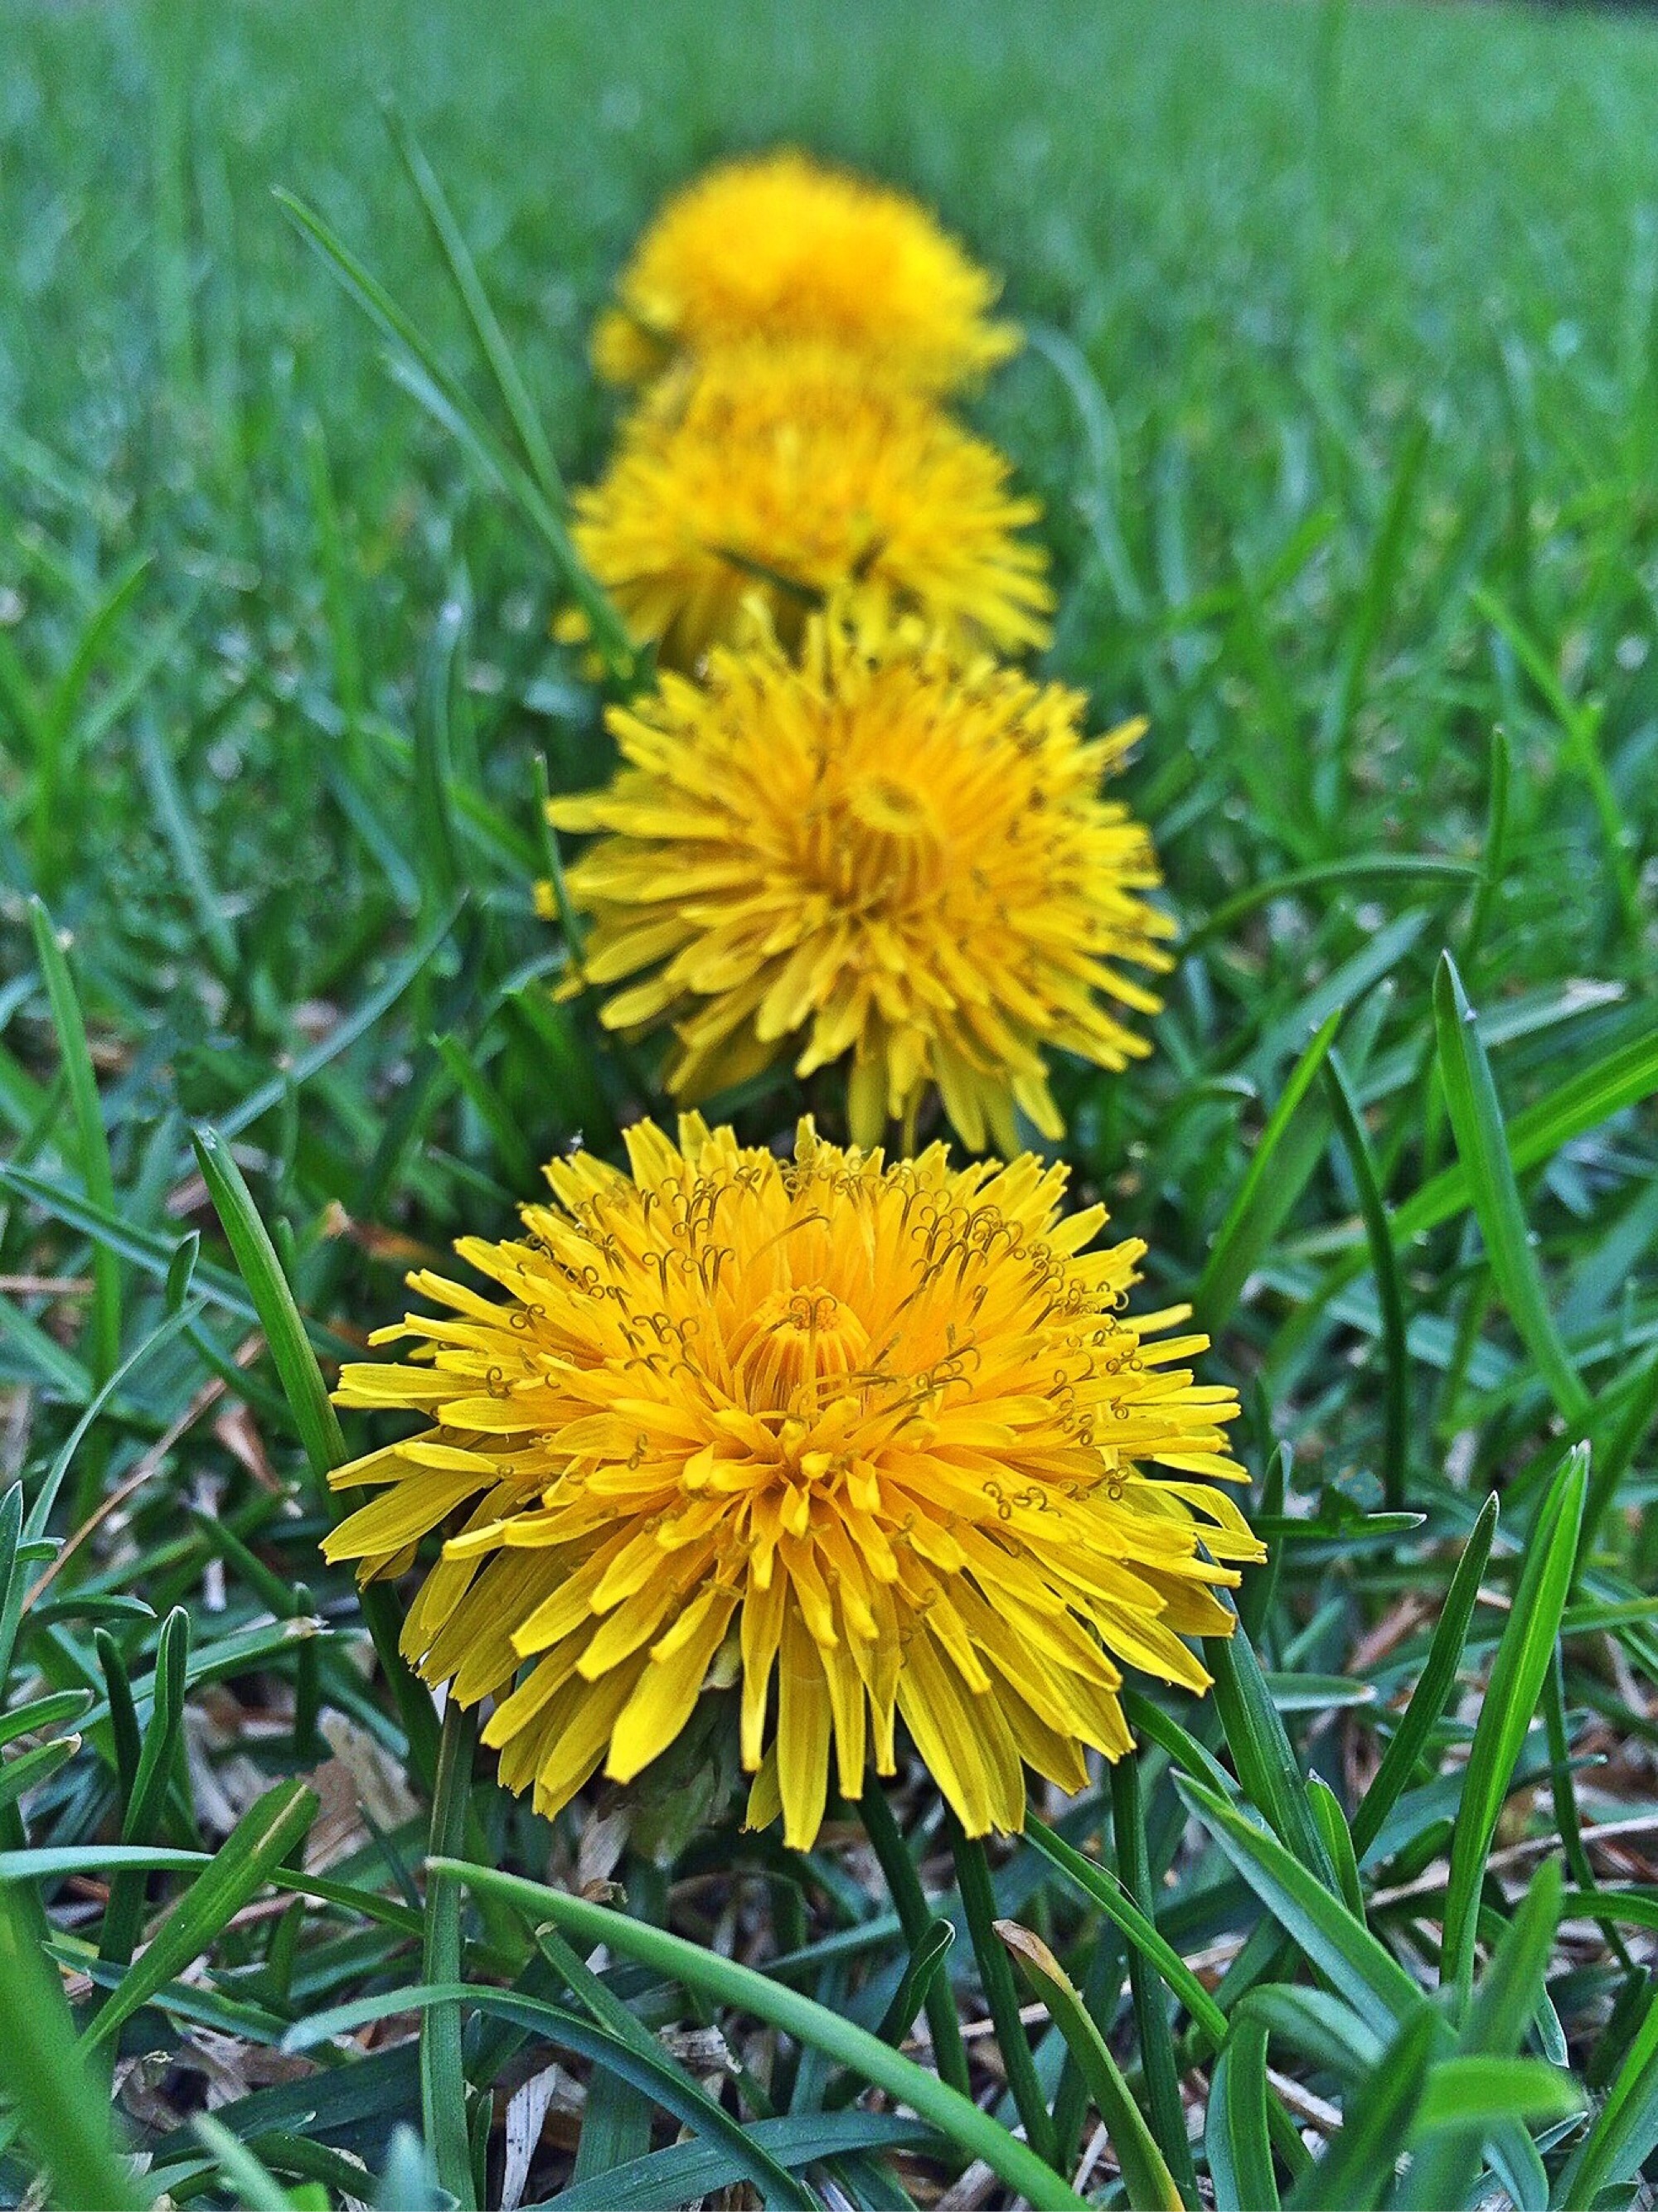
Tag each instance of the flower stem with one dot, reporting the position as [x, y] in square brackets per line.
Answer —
[1166, 2113]
[1100, 1988]
[443, 2080]
[973, 1875]
[910, 1903]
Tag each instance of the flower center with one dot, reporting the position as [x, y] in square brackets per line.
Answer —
[791, 1341]
[876, 844]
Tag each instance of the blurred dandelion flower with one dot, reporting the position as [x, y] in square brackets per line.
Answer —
[878, 1435]
[784, 472]
[877, 850]
[781, 249]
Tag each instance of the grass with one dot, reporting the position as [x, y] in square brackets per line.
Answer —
[1343, 396]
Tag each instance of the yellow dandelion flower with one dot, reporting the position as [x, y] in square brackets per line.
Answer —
[781, 249]
[778, 471]
[875, 1441]
[875, 850]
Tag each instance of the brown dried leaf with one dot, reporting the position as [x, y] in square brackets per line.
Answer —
[382, 1789]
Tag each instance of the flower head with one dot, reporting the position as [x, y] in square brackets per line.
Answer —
[780, 249]
[785, 472]
[875, 850]
[875, 1440]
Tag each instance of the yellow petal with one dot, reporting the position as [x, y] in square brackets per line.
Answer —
[667, 1690]
[804, 1720]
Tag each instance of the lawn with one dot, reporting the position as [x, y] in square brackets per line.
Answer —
[1341, 393]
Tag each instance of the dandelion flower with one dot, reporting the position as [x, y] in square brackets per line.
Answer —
[780, 249]
[875, 1441]
[780, 471]
[874, 851]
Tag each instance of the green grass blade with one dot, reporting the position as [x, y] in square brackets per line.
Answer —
[1221, 921]
[243, 1650]
[92, 1141]
[60, 1370]
[456, 411]
[1614, 1450]
[366, 291]
[631, 2057]
[1235, 2139]
[1622, 1078]
[244, 1863]
[1165, 2108]
[1322, 2026]
[1481, 1146]
[47, 1861]
[1582, 727]
[57, 806]
[1147, 2182]
[491, 340]
[143, 1248]
[1339, 1945]
[1382, 573]
[345, 1034]
[25, 707]
[63, 2108]
[30, 1769]
[973, 1875]
[777, 2183]
[181, 1270]
[1390, 1296]
[910, 1903]
[152, 1779]
[1434, 1686]
[922, 1969]
[1338, 1842]
[610, 2013]
[1265, 1198]
[40, 1513]
[615, 2126]
[1443, 2171]
[1183, 1747]
[725, 1981]
[1625, 2129]
[252, 2183]
[167, 805]
[1481, 2093]
[1518, 1671]
[159, 1751]
[695, 2170]
[1262, 1753]
[11, 1584]
[268, 1286]
[314, 1415]
[1356, 2171]
[1260, 1584]
[127, 1737]
[518, 1164]
[552, 860]
[442, 2078]
[1096, 1882]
